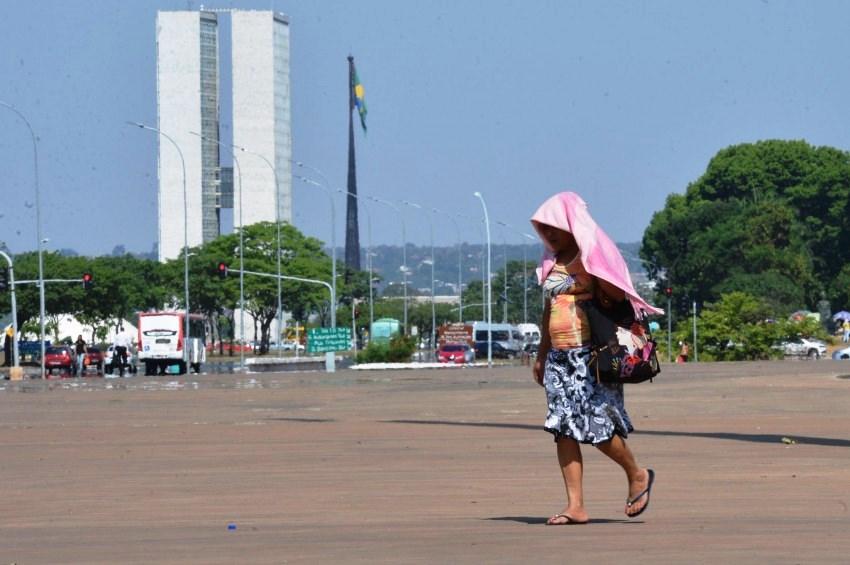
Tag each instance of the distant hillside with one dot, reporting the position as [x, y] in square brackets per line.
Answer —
[388, 259]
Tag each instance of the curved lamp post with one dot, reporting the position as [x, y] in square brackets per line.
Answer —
[277, 222]
[37, 230]
[369, 253]
[403, 251]
[327, 189]
[524, 268]
[241, 253]
[15, 356]
[185, 230]
[459, 263]
[433, 308]
[489, 285]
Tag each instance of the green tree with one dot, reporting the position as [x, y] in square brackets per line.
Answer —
[740, 327]
[122, 286]
[770, 218]
[301, 256]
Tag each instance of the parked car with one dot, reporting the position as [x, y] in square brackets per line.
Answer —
[839, 354]
[94, 358]
[458, 353]
[803, 347]
[291, 345]
[109, 366]
[499, 351]
[62, 357]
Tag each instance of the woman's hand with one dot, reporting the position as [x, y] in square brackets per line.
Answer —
[537, 369]
[608, 293]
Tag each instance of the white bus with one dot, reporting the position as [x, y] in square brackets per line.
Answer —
[162, 343]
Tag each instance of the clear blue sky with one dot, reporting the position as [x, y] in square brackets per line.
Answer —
[624, 102]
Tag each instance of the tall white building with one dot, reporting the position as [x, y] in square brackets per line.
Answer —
[261, 115]
[188, 101]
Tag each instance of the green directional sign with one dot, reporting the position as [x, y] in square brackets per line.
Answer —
[321, 340]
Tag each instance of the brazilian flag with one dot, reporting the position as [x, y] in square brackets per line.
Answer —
[358, 96]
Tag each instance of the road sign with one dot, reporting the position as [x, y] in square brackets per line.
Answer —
[321, 340]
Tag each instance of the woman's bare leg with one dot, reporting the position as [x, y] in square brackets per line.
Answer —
[638, 478]
[571, 463]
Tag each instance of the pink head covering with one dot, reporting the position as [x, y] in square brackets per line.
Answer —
[599, 255]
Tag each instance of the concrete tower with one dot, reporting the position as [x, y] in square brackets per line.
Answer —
[261, 115]
[187, 101]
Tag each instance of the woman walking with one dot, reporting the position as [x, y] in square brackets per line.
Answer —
[581, 262]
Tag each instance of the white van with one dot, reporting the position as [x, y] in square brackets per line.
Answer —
[162, 343]
[530, 332]
[506, 335]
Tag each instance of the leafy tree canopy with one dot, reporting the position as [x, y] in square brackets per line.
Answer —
[770, 218]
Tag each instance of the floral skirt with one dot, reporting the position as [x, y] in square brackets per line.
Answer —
[579, 407]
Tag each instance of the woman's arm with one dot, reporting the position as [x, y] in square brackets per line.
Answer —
[545, 345]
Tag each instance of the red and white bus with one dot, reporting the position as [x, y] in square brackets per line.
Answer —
[162, 342]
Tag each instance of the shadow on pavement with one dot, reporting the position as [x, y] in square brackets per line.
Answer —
[538, 520]
[306, 420]
[757, 438]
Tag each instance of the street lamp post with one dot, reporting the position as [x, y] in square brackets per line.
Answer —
[505, 257]
[459, 264]
[185, 230]
[696, 349]
[241, 254]
[277, 222]
[37, 230]
[433, 307]
[403, 252]
[333, 228]
[369, 253]
[329, 356]
[524, 268]
[489, 286]
[15, 357]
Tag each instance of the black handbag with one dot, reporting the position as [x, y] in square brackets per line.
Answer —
[622, 348]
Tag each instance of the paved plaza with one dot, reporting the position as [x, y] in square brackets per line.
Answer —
[419, 466]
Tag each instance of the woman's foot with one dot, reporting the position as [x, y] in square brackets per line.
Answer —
[569, 517]
[639, 490]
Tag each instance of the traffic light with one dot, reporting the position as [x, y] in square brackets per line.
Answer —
[668, 291]
[222, 270]
[4, 279]
[87, 281]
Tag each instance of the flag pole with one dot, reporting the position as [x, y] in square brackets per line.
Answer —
[352, 229]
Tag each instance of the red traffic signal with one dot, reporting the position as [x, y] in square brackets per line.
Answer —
[668, 291]
[222, 270]
[87, 281]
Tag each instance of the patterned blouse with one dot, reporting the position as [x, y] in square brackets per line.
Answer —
[564, 287]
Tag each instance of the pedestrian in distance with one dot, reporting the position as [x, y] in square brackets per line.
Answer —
[7, 346]
[581, 262]
[846, 327]
[80, 347]
[121, 345]
[684, 350]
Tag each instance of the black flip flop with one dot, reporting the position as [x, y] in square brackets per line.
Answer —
[646, 491]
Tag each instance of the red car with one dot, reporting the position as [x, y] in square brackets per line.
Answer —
[94, 358]
[62, 357]
[458, 353]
